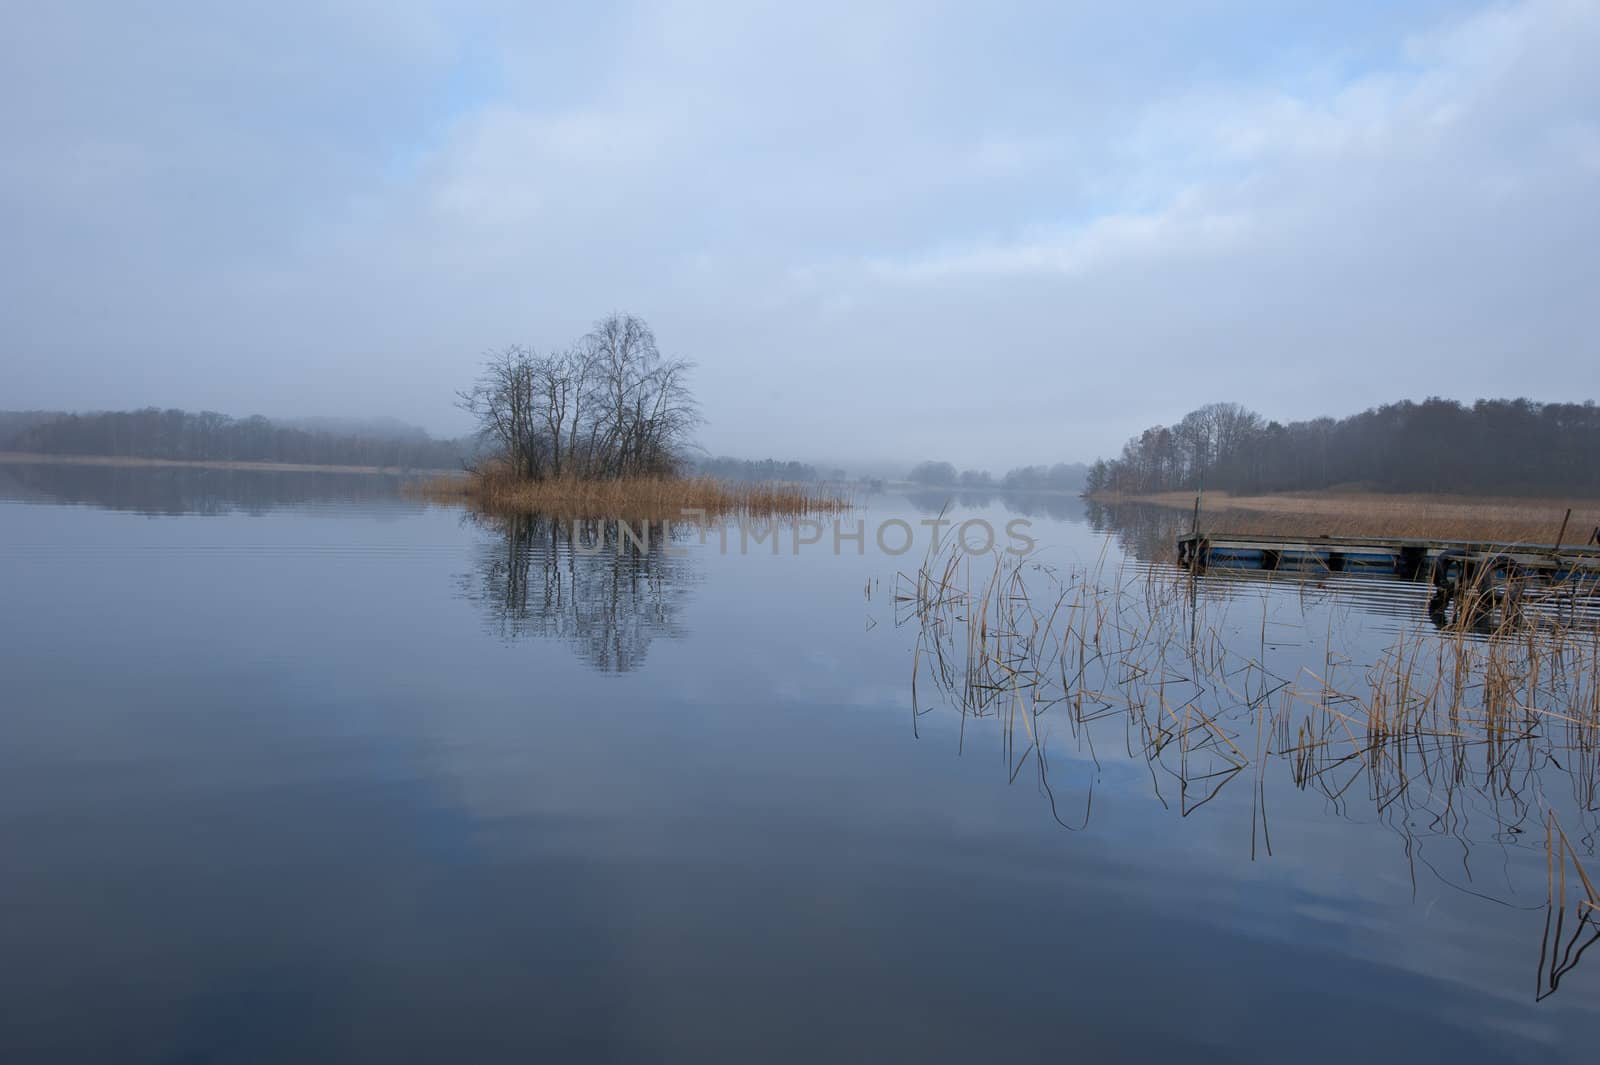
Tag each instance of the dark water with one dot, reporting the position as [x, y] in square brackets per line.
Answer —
[298, 769]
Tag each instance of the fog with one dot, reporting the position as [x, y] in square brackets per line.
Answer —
[988, 234]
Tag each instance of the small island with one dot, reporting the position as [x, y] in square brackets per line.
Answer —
[600, 428]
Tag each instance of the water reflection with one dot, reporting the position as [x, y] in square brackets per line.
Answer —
[311, 760]
[175, 490]
[1145, 532]
[1562, 948]
[1479, 755]
[605, 588]
[1061, 506]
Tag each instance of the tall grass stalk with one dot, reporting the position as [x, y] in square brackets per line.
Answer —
[493, 489]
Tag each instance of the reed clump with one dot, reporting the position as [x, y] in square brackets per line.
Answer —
[1493, 519]
[493, 489]
[1471, 729]
[1433, 724]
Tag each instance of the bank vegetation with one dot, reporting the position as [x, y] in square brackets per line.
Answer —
[600, 428]
[1497, 519]
[1493, 447]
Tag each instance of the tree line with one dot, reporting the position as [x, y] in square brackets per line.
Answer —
[1508, 446]
[610, 405]
[1061, 477]
[761, 470]
[13, 423]
[209, 436]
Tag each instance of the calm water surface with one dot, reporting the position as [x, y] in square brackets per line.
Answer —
[294, 768]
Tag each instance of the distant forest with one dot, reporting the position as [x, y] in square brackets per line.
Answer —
[1506, 446]
[208, 436]
[1061, 477]
[731, 469]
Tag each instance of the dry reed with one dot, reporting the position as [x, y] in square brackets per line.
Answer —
[1499, 519]
[1439, 729]
[493, 491]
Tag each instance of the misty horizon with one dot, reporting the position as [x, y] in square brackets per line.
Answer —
[870, 241]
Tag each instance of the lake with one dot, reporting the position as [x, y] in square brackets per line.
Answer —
[296, 767]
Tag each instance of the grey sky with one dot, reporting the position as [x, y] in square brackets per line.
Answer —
[990, 233]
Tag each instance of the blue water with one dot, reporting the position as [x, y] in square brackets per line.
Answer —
[305, 770]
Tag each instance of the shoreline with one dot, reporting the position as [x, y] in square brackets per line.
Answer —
[1330, 499]
[1356, 513]
[31, 458]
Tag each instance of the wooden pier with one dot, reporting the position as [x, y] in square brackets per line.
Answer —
[1443, 562]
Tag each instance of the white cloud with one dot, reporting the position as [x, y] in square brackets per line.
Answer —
[832, 208]
[1185, 228]
[1236, 157]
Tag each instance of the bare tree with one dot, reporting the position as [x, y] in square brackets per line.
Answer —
[505, 401]
[642, 411]
[559, 382]
[611, 406]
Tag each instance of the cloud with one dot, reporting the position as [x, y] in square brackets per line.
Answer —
[1015, 234]
[1236, 158]
[1183, 228]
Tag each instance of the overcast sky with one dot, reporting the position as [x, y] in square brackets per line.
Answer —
[991, 233]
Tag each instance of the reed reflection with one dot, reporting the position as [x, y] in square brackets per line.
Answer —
[1473, 751]
[605, 588]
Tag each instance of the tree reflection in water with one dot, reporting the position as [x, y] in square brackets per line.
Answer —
[604, 587]
[1062, 506]
[1148, 533]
